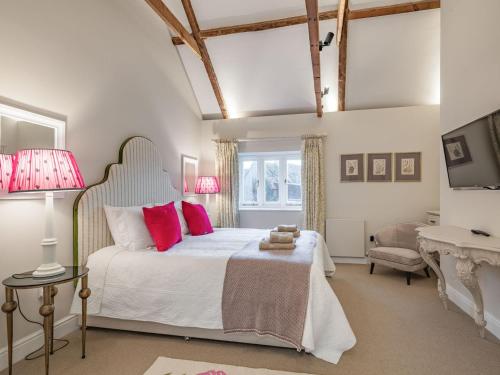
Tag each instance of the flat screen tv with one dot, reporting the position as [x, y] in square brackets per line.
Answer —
[472, 154]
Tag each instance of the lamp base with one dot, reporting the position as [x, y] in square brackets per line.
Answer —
[49, 270]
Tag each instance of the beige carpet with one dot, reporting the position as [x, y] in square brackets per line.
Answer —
[169, 366]
[400, 330]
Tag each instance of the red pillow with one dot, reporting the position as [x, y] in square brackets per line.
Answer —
[163, 225]
[196, 218]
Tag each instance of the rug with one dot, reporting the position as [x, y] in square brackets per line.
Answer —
[169, 366]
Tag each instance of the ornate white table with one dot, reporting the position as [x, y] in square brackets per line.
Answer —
[470, 250]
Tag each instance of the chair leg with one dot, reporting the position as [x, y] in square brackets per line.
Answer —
[408, 278]
[372, 266]
[426, 269]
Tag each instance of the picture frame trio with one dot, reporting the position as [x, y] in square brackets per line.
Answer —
[407, 167]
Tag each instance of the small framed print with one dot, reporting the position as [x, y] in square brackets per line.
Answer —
[380, 167]
[408, 166]
[456, 151]
[352, 168]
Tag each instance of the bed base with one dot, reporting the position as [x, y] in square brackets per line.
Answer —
[186, 332]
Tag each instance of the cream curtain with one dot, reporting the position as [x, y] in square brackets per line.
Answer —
[313, 183]
[226, 165]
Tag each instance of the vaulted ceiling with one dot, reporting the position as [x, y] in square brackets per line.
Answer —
[391, 60]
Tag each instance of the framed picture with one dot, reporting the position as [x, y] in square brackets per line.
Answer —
[189, 174]
[380, 167]
[456, 151]
[352, 168]
[408, 166]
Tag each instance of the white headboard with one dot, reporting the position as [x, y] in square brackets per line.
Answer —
[138, 178]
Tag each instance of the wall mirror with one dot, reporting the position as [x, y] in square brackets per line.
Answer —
[22, 129]
[189, 174]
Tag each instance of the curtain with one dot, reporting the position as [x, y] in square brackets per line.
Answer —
[313, 183]
[494, 125]
[226, 166]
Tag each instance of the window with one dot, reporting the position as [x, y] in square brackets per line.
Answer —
[270, 180]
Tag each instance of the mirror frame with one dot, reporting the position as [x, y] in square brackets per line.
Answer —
[190, 159]
[33, 117]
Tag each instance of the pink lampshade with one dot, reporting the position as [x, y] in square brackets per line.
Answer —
[207, 185]
[45, 170]
[5, 172]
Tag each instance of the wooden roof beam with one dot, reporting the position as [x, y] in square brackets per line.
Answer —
[323, 16]
[313, 26]
[341, 15]
[342, 38]
[174, 24]
[193, 22]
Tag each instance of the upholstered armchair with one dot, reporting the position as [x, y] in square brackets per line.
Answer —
[396, 247]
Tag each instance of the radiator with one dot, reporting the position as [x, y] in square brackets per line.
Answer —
[345, 237]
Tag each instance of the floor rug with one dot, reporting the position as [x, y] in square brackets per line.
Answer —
[169, 366]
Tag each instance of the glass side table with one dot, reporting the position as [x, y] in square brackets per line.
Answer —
[26, 281]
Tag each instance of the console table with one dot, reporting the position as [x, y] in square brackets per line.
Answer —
[470, 250]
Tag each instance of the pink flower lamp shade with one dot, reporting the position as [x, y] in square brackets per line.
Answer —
[46, 170]
[5, 172]
[207, 185]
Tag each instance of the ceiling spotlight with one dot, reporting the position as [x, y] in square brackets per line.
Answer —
[327, 42]
[325, 91]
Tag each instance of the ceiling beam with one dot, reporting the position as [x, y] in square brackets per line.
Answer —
[342, 38]
[341, 15]
[313, 26]
[174, 24]
[388, 10]
[193, 22]
[323, 16]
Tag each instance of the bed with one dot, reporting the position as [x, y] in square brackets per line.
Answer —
[180, 292]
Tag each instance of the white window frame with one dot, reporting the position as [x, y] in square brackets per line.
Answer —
[260, 158]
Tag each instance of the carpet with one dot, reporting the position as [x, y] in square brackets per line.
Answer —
[169, 366]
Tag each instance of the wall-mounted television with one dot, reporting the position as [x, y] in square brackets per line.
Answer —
[472, 154]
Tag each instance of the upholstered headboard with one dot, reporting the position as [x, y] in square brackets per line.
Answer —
[138, 178]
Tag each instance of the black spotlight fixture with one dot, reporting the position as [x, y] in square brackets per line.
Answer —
[327, 42]
[325, 91]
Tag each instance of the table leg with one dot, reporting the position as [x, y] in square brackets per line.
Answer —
[53, 293]
[84, 294]
[441, 283]
[8, 308]
[47, 310]
[466, 273]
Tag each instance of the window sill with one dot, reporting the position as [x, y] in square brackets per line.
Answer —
[286, 209]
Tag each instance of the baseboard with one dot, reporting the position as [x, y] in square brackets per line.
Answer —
[350, 260]
[467, 305]
[29, 343]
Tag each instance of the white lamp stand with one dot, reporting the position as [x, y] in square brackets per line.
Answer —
[49, 266]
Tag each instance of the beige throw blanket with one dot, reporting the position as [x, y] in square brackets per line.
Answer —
[266, 292]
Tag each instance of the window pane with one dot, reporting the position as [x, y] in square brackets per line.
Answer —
[250, 182]
[272, 179]
[293, 180]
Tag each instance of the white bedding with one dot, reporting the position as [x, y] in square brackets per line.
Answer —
[183, 287]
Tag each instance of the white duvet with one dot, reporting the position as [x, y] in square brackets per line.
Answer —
[183, 287]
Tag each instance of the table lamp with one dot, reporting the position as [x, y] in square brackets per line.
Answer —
[207, 185]
[46, 170]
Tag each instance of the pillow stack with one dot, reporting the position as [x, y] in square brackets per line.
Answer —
[280, 238]
[162, 226]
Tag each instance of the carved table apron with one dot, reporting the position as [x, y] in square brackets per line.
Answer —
[470, 251]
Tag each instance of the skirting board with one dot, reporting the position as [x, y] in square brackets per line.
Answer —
[29, 343]
[467, 305]
[350, 260]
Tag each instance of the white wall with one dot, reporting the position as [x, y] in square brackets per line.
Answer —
[470, 85]
[109, 67]
[380, 130]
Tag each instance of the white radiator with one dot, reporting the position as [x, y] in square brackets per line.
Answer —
[345, 237]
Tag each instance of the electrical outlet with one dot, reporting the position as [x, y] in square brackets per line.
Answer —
[372, 238]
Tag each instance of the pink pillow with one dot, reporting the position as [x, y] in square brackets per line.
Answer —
[196, 218]
[163, 225]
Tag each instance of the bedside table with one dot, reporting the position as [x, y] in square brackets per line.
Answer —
[26, 281]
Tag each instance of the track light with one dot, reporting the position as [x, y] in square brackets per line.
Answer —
[325, 91]
[327, 42]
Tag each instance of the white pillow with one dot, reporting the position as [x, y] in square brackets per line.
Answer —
[182, 220]
[128, 228]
